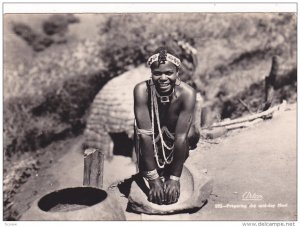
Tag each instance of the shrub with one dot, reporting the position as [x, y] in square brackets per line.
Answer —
[52, 66]
[55, 29]
[130, 39]
[37, 41]
[31, 122]
[58, 24]
[228, 45]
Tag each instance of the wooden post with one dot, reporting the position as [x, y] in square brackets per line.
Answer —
[198, 111]
[270, 84]
[93, 168]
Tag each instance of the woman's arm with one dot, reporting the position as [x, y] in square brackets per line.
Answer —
[147, 162]
[184, 123]
[143, 121]
[181, 149]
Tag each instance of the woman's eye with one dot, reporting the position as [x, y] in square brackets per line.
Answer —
[157, 74]
[160, 74]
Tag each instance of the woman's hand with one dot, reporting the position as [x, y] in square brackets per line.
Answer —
[156, 193]
[172, 191]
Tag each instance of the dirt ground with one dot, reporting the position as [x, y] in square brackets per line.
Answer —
[258, 161]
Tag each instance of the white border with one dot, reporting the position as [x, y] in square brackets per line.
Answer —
[122, 7]
[146, 7]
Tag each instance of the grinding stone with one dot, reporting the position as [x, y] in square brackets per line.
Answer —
[195, 189]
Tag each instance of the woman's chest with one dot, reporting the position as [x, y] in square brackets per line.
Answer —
[168, 114]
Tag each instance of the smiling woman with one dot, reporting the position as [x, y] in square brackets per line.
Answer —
[164, 77]
[164, 108]
[164, 68]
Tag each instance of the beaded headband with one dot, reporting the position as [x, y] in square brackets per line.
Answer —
[169, 57]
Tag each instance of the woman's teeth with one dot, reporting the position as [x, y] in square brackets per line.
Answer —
[164, 84]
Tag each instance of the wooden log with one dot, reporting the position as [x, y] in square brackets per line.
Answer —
[264, 114]
[214, 132]
[244, 124]
[93, 168]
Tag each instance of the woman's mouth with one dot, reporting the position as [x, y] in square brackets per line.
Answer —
[164, 87]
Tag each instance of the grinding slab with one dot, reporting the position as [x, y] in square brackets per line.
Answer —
[195, 188]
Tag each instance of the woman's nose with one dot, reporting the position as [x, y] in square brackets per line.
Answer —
[163, 76]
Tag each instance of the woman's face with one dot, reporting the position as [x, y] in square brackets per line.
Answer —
[164, 76]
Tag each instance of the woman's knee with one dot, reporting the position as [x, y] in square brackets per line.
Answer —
[193, 137]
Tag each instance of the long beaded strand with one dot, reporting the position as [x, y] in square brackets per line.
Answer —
[163, 144]
[153, 136]
[154, 106]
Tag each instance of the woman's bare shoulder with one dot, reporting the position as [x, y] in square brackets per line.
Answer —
[141, 85]
[186, 90]
[140, 90]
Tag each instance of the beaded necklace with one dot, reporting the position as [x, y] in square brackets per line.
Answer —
[154, 111]
[163, 98]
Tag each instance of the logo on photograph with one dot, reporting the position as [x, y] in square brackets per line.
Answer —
[251, 196]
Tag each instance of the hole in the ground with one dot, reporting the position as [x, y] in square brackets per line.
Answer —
[71, 199]
[122, 144]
